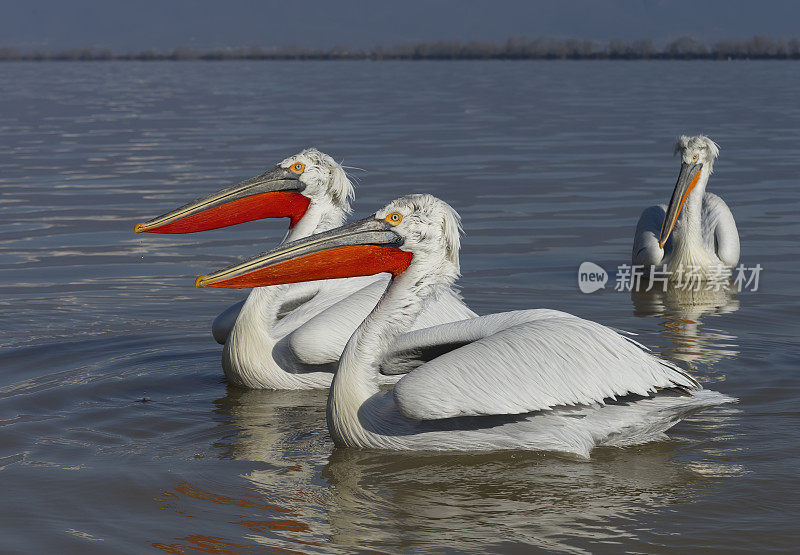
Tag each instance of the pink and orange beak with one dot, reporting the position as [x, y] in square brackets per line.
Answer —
[687, 179]
[363, 248]
[276, 193]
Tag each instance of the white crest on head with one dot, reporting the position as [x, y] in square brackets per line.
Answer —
[697, 149]
[431, 229]
[324, 178]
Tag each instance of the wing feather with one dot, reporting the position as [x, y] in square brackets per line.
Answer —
[719, 230]
[552, 359]
[646, 251]
[322, 339]
[223, 324]
[417, 347]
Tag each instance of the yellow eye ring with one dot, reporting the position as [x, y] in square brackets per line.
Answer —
[298, 167]
[394, 218]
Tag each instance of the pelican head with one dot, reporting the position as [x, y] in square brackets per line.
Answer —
[309, 179]
[417, 231]
[697, 162]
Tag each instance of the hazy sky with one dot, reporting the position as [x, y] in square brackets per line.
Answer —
[161, 24]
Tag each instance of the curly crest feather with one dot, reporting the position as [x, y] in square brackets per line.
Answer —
[706, 149]
[326, 176]
[430, 224]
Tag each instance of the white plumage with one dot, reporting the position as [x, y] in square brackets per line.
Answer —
[535, 379]
[547, 360]
[291, 336]
[704, 236]
[330, 193]
[299, 350]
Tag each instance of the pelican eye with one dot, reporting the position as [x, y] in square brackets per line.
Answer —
[394, 218]
[298, 167]
[694, 158]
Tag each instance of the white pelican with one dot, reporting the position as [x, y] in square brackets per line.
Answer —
[530, 379]
[697, 230]
[291, 336]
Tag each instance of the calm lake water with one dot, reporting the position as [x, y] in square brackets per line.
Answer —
[118, 432]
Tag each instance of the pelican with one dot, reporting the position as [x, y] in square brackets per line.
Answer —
[697, 230]
[529, 379]
[291, 336]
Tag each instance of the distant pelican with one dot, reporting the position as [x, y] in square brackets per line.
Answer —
[531, 379]
[291, 336]
[697, 230]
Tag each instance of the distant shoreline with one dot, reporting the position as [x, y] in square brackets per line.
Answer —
[683, 48]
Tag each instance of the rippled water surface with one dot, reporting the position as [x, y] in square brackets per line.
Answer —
[118, 432]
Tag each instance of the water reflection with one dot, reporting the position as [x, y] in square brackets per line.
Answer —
[385, 501]
[485, 500]
[264, 521]
[681, 311]
[276, 501]
[275, 425]
[209, 544]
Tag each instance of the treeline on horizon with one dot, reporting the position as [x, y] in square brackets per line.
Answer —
[683, 48]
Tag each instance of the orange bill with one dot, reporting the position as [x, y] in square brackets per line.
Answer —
[687, 179]
[273, 194]
[363, 248]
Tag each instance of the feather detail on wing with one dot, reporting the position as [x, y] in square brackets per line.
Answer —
[415, 348]
[223, 324]
[322, 339]
[539, 360]
[720, 235]
[646, 251]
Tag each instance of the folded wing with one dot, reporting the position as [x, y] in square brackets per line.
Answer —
[223, 324]
[322, 339]
[538, 360]
[646, 251]
[719, 230]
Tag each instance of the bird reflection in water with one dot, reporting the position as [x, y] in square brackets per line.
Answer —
[275, 424]
[681, 311]
[280, 506]
[298, 495]
[485, 501]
